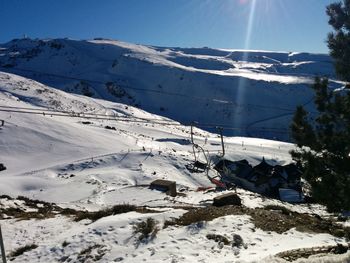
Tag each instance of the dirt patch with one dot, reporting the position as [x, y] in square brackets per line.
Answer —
[115, 210]
[293, 255]
[278, 221]
[205, 214]
[281, 221]
[26, 209]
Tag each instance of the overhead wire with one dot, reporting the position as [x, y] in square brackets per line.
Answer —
[214, 100]
[86, 115]
[130, 119]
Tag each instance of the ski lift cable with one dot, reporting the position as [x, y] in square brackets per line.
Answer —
[213, 100]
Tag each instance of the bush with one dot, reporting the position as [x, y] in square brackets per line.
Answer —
[87, 92]
[116, 91]
[92, 253]
[117, 209]
[65, 243]
[147, 229]
[237, 241]
[218, 238]
[21, 250]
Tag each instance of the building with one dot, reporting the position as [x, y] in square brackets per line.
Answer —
[282, 182]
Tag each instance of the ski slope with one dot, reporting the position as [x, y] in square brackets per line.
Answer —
[251, 93]
[55, 155]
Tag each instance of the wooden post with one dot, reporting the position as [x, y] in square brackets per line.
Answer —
[3, 255]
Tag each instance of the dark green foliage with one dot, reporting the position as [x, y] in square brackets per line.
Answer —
[147, 230]
[326, 157]
[339, 40]
[237, 241]
[326, 161]
[302, 131]
[87, 92]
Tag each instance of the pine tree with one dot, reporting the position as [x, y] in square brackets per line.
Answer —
[339, 40]
[302, 131]
[324, 143]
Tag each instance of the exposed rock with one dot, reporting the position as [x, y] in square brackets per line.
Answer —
[227, 199]
[169, 187]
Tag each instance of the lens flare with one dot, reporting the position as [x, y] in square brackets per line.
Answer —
[242, 82]
[250, 26]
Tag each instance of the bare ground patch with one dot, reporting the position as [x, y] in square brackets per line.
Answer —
[274, 218]
[24, 208]
[278, 221]
[293, 255]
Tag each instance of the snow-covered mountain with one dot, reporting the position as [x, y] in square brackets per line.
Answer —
[54, 155]
[73, 136]
[252, 92]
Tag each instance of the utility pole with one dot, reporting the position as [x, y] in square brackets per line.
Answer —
[192, 133]
[192, 124]
[194, 146]
[3, 255]
[222, 141]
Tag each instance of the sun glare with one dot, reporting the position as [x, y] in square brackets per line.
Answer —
[243, 1]
[250, 24]
[240, 95]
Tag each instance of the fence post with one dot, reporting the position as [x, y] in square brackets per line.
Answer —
[3, 255]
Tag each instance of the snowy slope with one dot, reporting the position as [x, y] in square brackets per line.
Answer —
[65, 145]
[86, 166]
[255, 92]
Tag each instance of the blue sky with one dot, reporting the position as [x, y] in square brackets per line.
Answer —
[280, 25]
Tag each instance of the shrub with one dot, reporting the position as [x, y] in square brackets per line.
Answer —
[65, 243]
[117, 209]
[92, 253]
[147, 229]
[218, 238]
[237, 241]
[21, 250]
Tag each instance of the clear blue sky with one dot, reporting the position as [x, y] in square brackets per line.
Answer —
[285, 25]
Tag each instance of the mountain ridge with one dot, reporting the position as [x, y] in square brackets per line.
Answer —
[250, 91]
